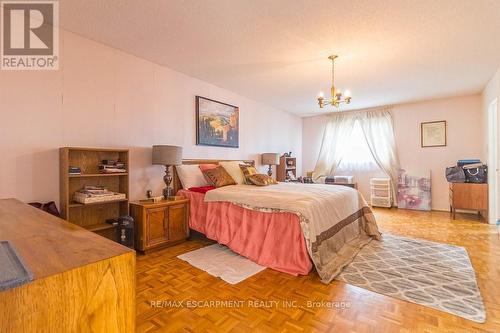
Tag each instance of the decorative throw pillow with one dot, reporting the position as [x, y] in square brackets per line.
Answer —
[219, 177]
[204, 167]
[261, 180]
[233, 169]
[247, 171]
[190, 175]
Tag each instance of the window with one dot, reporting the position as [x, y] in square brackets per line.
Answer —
[357, 155]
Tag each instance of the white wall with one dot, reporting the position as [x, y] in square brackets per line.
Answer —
[490, 93]
[106, 98]
[464, 135]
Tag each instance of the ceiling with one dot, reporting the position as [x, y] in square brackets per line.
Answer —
[275, 51]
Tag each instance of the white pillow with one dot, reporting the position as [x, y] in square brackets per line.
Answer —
[234, 170]
[190, 175]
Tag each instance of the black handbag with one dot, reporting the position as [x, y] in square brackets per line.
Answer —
[49, 207]
[455, 174]
[476, 174]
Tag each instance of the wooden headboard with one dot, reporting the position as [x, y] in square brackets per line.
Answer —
[177, 183]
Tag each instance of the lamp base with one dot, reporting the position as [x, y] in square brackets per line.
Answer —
[270, 171]
[167, 191]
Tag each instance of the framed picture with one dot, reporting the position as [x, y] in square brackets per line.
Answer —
[433, 134]
[217, 123]
[414, 189]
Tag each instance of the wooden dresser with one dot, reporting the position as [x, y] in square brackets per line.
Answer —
[82, 281]
[469, 196]
[160, 224]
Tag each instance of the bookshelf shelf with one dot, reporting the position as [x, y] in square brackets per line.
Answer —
[88, 175]
[92, 216]
[77, 204]
[99, 227]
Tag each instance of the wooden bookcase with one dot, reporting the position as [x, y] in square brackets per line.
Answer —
[286, 164]
[92, 216]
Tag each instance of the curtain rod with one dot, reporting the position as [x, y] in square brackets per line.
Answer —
[377, 108]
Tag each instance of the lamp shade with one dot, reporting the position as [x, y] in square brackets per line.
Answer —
[270, 158]
[167, 155]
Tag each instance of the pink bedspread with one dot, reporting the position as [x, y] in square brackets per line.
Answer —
[273, 240]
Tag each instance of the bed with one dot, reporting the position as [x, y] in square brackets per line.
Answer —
[288, 227]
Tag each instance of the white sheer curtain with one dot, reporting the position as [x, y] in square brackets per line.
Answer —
[378, 131]
[335, 138]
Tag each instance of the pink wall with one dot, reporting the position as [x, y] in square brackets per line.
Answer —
[104, 97]
[464, 135]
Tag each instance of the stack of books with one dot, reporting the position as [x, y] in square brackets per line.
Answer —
[93, 194]
[75, 170]
[110, 166]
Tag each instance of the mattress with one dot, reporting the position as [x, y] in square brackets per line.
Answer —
[271, 239]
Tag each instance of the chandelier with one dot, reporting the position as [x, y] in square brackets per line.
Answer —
[336, 96]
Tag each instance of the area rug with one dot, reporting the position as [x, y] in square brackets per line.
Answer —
[436, 275]
[219, 261]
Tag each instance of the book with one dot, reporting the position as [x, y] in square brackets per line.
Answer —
[112, 170]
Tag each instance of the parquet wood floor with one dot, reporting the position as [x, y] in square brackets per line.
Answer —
[163, 277]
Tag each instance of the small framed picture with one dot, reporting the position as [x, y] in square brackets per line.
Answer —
[433, 134]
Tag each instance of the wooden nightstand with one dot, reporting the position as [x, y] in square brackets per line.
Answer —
[160, 224]
[469, 196]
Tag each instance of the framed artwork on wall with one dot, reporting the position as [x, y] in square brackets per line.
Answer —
[217, 123]
[433, 134]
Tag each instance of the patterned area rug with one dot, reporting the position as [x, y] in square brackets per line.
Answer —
[436, 275]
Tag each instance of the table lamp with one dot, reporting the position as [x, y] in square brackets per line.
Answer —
[270, 159]
[167, 156]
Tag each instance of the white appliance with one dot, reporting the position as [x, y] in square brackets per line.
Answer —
[380, 189]
[343, 179]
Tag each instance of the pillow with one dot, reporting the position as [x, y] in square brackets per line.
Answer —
[219, 177]
[233, 169]
[247, 171]
[261, 180]
[190, 176]
[204, 167]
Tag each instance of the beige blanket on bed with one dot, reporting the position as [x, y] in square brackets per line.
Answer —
[335, 220]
